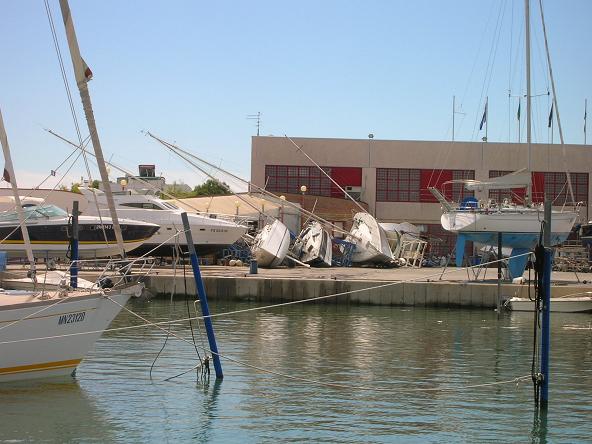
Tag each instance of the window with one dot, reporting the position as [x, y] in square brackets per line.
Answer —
[556, 187]
[412, 185]
[397, 184]
[289, 179]
[143, 205]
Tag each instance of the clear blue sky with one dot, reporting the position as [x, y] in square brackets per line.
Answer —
[191, 71]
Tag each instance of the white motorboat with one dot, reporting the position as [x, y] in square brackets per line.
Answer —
[210, 233]
[313, 246]
[271, 244]
[49, 228]
[567, 304]
[44, 334]
[370, 239]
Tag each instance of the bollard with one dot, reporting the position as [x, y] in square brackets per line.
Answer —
[253, 266]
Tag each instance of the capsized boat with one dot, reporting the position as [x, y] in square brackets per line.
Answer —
[271, 244]
[313, 246]
[370, 239]
[46, 334]
[211, 233]
[49, 228]
[399, 233]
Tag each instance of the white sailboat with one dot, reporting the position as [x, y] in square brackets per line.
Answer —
[370, 239]
[271, 244]
[520, 224]
[43, 333]
[313, 246]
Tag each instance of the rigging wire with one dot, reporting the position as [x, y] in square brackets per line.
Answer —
[72, 107]
[490, 64]
[44, 198]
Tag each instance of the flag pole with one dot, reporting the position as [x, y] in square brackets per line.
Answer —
[519, 104]
[585, 118]
[486, 117]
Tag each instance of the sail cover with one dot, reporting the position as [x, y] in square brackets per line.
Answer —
[517, 179]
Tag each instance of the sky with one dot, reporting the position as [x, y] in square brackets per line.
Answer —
[192, 71]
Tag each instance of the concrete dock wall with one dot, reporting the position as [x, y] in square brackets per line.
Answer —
[274, 290]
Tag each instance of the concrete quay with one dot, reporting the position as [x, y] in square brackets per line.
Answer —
[388, 287]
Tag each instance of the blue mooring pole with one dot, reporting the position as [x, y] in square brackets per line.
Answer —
[74, 247]
[546, 315]
[203, 300]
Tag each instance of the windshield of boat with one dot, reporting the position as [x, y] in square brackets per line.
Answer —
[157, 205]
[34, 212]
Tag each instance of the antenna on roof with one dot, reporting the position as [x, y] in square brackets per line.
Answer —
[256, 117]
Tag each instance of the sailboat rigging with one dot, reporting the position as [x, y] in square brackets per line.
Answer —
[519, 224]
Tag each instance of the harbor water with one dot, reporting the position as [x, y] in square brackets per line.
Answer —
[318, 373]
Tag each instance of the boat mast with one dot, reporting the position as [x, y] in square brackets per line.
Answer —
[569, 185]
[528, 97]
[9, 168]
[81, 75]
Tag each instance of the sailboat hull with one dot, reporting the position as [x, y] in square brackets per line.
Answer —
[271, 245]
[370, 239]
[52, 336]
[521, 229]
[314, 246]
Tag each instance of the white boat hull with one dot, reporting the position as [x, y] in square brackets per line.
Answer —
[528, 221]
[209, 234]
[314, 246]
[43, 338]
[271, 245]
[370, 239]
[558, 305]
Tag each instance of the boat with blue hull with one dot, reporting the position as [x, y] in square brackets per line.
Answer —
[520, 224]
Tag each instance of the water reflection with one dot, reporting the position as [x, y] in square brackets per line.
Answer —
[404, 351]
[51, 410]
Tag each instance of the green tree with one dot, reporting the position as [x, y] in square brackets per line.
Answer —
[212, 188]
[75, 188]
[95, 184]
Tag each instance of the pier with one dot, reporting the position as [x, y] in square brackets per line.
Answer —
[388, 287]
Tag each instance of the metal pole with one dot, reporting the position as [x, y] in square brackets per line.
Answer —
[546, 318]
[499, 272]
[528, 95]
[453, 110]
[74, 247]
[203, 300]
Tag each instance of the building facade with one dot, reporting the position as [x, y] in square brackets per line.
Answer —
[393, 176]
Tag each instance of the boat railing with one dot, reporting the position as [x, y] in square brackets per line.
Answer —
[116, 272]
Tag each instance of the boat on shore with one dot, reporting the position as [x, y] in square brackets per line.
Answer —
[270, 246]
[212, 234]
[49, 227]
[371, 241]
[313, 246]
[518, 225]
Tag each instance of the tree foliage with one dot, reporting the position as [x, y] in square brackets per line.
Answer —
[212, 188]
